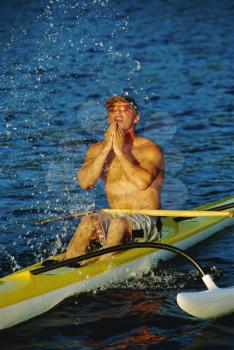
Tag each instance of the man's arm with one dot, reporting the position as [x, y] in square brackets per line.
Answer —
[92, 168]
[143, 174]
[96, 156]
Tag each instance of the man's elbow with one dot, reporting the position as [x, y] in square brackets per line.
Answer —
[84, 184]
[143, 184]
[147, 180]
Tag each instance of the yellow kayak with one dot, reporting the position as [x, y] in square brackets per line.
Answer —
[24, 295]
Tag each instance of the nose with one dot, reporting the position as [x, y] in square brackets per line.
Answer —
[119, 112]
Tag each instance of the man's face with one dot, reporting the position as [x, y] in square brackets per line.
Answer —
[124, 115]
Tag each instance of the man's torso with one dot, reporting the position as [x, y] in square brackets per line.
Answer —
[121, 193]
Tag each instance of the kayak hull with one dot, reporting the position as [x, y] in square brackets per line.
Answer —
[24, 296]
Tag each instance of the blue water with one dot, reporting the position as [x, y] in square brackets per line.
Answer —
[60, 60]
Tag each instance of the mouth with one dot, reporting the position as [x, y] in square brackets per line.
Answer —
[118, 120]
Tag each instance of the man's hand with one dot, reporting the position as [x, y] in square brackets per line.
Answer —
[118, 141]
[108, 138]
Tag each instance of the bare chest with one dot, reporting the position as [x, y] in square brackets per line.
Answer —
[113, 170]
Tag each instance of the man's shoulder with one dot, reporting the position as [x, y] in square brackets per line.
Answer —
[149, 145]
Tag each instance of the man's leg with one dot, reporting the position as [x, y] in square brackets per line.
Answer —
[119, 232]
[89, 229]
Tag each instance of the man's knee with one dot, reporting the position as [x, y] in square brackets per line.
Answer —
[90, 228]
[88, 223]
[119, 231]
[120, 223]
[91, 219]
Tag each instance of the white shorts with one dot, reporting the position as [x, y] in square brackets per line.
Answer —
[144, 227]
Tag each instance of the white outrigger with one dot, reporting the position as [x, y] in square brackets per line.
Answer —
[37, 288]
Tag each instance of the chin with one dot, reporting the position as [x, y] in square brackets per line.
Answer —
[121, 127]
[125, 131]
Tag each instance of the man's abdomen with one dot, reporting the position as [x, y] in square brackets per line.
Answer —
[128, 196]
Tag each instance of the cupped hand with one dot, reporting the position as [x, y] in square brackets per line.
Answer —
[109, 135]
[118, 141]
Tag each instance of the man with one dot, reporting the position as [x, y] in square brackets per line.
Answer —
[131, 167]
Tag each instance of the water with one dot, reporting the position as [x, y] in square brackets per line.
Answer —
[59, 62]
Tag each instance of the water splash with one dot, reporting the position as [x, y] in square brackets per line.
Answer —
[10, 261]
[161, 279]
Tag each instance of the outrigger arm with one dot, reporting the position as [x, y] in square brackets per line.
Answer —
[213, 303]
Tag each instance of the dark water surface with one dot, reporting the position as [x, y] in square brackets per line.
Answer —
[59, 61]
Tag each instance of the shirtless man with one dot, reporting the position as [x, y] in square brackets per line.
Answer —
[131, 167]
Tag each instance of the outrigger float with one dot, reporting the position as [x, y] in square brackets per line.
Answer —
[38, 288]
